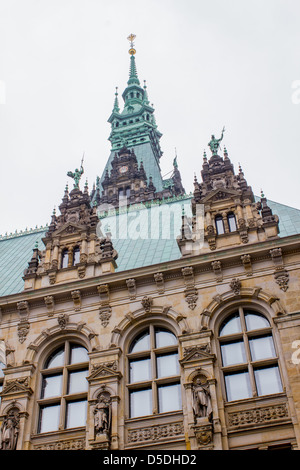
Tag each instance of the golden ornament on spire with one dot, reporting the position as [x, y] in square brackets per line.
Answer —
[131, 38]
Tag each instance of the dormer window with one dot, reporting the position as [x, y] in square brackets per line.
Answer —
[231, 222]
[64, 258]
[219, 225]
[76, 255]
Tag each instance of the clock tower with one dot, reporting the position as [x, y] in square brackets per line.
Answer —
[135, 128]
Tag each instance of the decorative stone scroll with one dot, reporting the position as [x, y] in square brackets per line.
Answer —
[70, 444]
[155, 433]
[257, 416]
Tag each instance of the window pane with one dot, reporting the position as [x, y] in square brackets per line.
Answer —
[141, 403]
[231, 223]
[76, 256]
[2, 366]
[77, 381]
[231, 325]
[65, 259]
[268, 380]
[49, 418]
[164, 338]
[167, 365]
[78, 354]
[262, 348]
[51, 386]
[169, 397]
[76, 414]
[233, 353]
[255, 321]
[141, 343]
[140, 370]
[238, 386]
[56, 359]
[220, 225]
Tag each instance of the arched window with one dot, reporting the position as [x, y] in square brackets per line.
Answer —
[219, 225]
[249, 358]
[153, 373]
[76, 255]
[64, 258]
[63, 396]
[231, 222]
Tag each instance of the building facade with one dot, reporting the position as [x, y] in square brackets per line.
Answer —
[148, 318]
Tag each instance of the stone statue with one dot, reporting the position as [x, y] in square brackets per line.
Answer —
[76, 175]
[9, 431]
[214, 144]
[102, 415]
[201, 400]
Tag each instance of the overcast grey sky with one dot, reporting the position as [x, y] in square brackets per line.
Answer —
[208, 64]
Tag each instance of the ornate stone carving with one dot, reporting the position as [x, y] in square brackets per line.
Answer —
[155, 433]
[147, 303]
[71, 444]
[105, 314]
[112, 365]
[191, 296]
[160, 284]
[236, 285]
[282, 279]
[63, 320]
[81, 269]
[276, 255]
[49, 302]
[203, 435]
[23, 330]
[217, 268]
[188, 274]
[23, 309]
[105, 309]
[52, 277]
[256, 416]
[15, 386]
[246, 260]
[131, 286]
[103, 291]
[10, 430]
[76, 296]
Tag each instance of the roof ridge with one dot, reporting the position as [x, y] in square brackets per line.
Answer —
[22, 233]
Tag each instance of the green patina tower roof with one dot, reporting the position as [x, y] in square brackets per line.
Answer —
[135, 126]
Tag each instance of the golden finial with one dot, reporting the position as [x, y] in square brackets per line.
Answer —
[131, 38]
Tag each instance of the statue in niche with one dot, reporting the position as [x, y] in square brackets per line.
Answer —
[102, 415]
[201, 400]
[10, 430]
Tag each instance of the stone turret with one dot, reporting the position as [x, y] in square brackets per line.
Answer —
[75, 247]
[224, 205]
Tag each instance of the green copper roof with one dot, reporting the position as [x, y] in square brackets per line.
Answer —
[15, 253]
[16, 249]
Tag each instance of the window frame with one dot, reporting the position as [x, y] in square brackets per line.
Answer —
[154, 382]
[64, 397]
[250, 365]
